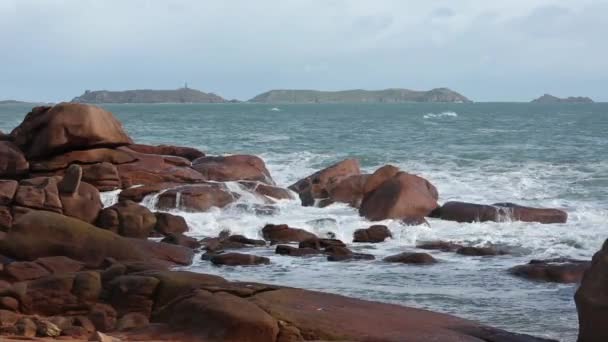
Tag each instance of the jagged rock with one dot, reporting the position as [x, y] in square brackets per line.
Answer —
[46, 131]
[316, 185]
[233, 168]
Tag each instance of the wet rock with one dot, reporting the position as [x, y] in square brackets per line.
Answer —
[560, 270]
[296, 252]
[316, 185]
[379, 176]
[499, 212]
[591, 299]
[47, 131]
[236, 259]
[373, 234]
[480, 251]
[13, 163]
[233, 168]
[234, 318]
[411, 258]
[128, 219]
[168, 150]
[258, 209]
[400, 197]
[349, 190]
[444, 246]
[264, 189]
[170, 224]
[196, 197]
[282, 233]
[182, 240]
[337, 253]
[247, 241]
[319, 244]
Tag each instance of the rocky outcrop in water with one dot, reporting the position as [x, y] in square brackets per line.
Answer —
[182, 95]
[72, 270]
[547, 98]
[395, 95]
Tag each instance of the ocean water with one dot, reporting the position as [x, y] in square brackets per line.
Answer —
[531, 154]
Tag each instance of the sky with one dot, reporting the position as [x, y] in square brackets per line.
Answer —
[516, 50]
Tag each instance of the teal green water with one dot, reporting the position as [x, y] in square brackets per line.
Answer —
[534, 154]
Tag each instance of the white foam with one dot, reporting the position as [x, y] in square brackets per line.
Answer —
[109, 198]
[440, 115]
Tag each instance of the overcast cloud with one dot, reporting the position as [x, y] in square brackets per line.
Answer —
[514, 50]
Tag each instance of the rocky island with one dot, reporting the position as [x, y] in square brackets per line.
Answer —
[393, 95]
[74, 269]
[182, 95]
[547, 98]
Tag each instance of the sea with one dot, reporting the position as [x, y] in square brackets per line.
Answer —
[543, 155]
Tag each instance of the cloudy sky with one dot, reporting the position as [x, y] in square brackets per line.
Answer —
[514, 50]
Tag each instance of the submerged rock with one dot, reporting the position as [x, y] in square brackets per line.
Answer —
[411, 258]
[238, 259]
[560, 270]
[498, 212]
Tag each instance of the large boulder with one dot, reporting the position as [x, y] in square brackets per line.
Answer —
[403, 196]
[559, 270]
[316, 186]
[47, 131]
[329, 317]
[591, 299]
[12, 161]
[196, 197]
[128, 219]
[499, 212]
[82, 157]
[153, 169]
[220, 317]
[41, 233]
[233, 168]
[170, 224]
[350, 190]
[282, 233]
[168, 150]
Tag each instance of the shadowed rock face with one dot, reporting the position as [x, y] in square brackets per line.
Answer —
[560, 270]
[592, 299]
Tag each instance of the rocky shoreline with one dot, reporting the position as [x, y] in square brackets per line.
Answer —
[74, 270]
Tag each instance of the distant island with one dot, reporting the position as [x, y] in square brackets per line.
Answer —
[393, 95]
[547, 98]
[14, 102]
[182, 95]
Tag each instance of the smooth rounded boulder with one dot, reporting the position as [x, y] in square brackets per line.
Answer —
[349, 190]
[128, 219]
[411, 258]
[316, 186]
[498, 212]
[233, 168]
[282, 233]
[196, 197]
[373, 234]
[559, 270]
[404, 196]
[47, 131]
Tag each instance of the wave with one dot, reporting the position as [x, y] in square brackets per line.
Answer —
[440, 115]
